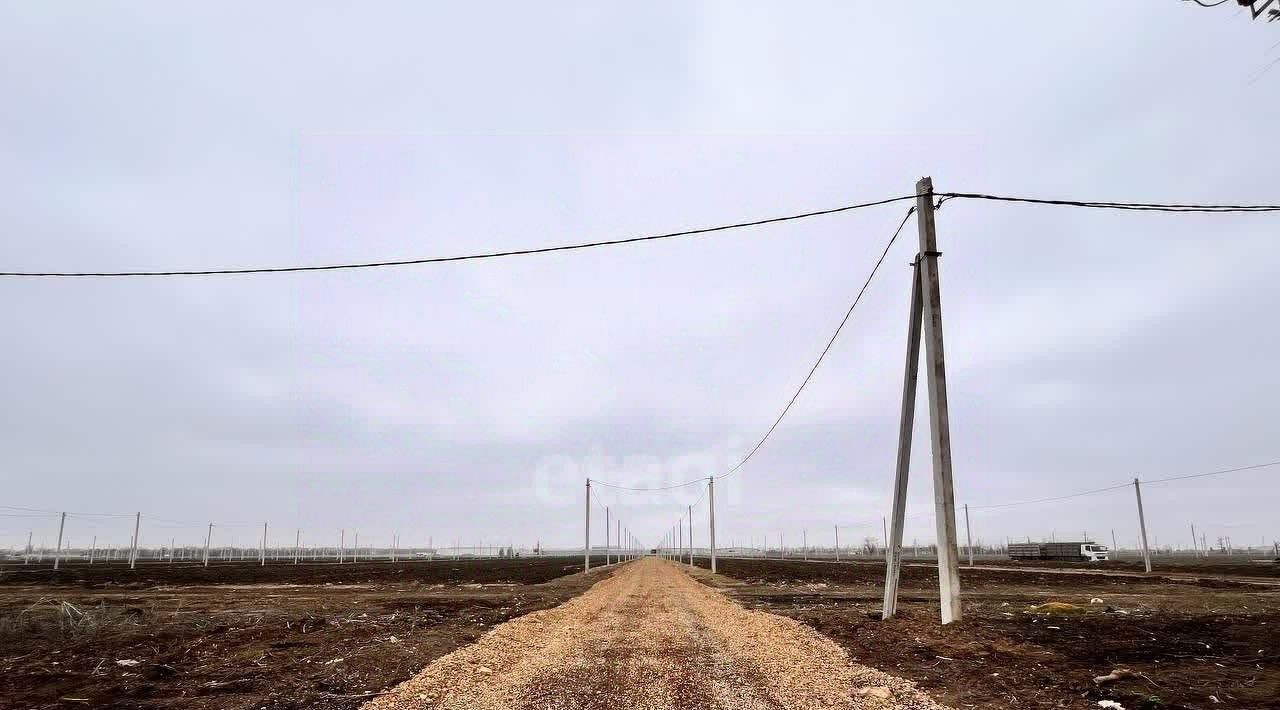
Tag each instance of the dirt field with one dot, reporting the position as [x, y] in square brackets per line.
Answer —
[244, 636]
[1211, 643]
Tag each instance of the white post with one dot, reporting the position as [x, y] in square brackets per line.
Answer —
[355, 548]
[968, 534]
[618, 538]
[171, 549]
[133, 551]
[208, 537]
[804, 544]
[906, 428]
[711, 514]
[586, 545]
[1195, 549]
[939, 416]
[93, 549]
[606, 536]
[690, 511]
[1115, 548]
[342, 545]
[837, 543]
[26, 556]
[1142, 523]
[57, 556]
[297, 545]
[262, 550]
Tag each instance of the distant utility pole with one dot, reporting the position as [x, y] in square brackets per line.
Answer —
[690, 525]
[837, 527]
[207, 539]
[93, 548]
[606, 536]
[262, 551]
[297, 545]
[1142, 525]
[586, 544]
[926, 321]
[342, 545]
[711, 508]
[1195, 549]
[57, 556]
[133, 550]
[968, 533]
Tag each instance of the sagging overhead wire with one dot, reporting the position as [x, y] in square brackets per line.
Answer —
[460, 257]
[1136, 206]
[1132, 206]
[821, 356]
[1118, 486]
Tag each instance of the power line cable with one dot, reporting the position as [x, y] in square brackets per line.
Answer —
[821, 356]
[448, 259]
[1212, 473]
[1133, 206]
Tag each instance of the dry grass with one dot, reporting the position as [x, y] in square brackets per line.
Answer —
[58, 619]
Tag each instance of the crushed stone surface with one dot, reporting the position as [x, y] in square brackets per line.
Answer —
[651, 637]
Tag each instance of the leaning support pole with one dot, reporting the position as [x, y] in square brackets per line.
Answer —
[208, 536]
[893, 536]
[939, 416]
[586, 545]
[1142, 525]
[968, 533]
[690, 523]
[57, 555]
[711, 508]
[133, 550]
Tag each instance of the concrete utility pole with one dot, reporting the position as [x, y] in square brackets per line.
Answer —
[26, 556]
[928, 289]
[1142, 523]
[93, 548]
[939, 415]
[297, 545]
[968, 533]
[606, 536]
[262, 551]
[617, 537]
[837, 543]
[1195, 548]
[586, 545]
[711, 507]
[893, 541]
[690, 518]
[57, 556]
[342, 545]
[208, 537]
[804, 544]
[133, 550]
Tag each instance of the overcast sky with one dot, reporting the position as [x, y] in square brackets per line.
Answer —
[468, 401]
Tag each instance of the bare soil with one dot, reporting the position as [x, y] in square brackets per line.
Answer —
[244, 636]
[1193, 643]
[649, 637]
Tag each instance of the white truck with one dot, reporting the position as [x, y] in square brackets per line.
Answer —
[1083, 551]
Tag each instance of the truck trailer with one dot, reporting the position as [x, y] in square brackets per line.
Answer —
[1059, 551]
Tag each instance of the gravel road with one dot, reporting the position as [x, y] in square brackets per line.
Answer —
[650, 636]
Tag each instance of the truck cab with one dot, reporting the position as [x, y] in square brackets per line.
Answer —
[1094, 553]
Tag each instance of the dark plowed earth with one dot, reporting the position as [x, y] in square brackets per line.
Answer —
[1205, 645]
[244, 636]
